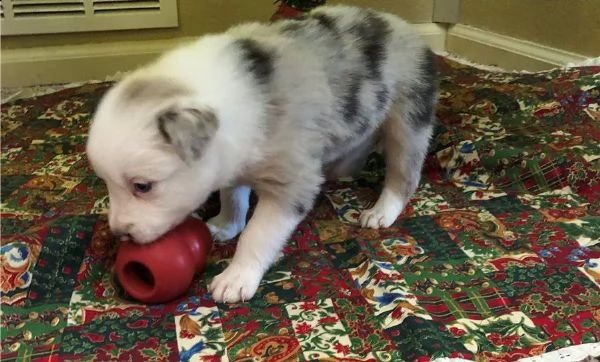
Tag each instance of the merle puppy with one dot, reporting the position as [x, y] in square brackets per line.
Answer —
[276, 108]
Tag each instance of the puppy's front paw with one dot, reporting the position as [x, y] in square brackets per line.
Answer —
[224, 229]
[236, 283]
[382, 215]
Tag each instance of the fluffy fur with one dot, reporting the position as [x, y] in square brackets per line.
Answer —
[274, 108]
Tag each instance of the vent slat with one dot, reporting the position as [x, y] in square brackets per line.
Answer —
[46, 6]
[39, 9]
[44, 2]
[48, 14]
[127, 11]
[126, 1]
[127, 6]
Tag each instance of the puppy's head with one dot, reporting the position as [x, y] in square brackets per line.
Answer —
[152, 144]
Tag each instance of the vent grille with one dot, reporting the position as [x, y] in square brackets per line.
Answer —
[62, 16]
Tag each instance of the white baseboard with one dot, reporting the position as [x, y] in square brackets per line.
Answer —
[65, 64]
[506, 52]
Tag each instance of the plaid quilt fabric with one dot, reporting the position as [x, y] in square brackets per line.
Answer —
[496, 257]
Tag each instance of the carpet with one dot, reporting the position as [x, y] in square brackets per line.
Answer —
[495, 259]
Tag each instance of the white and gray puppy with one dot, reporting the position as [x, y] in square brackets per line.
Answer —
[270, 107]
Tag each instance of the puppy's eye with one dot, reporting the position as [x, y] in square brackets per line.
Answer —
[142, 187]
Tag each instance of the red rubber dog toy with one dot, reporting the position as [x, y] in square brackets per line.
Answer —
[164, 270]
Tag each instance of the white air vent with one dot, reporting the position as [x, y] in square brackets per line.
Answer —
[66, 16]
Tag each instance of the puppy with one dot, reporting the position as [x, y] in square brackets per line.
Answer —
[268, 107]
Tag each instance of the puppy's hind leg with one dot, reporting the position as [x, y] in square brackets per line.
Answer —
[231, 220]
[405, 150]
[406, 135]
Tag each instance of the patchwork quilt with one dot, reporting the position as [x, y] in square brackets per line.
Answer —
[495, 259]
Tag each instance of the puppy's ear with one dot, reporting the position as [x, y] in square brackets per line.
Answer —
[188, 129]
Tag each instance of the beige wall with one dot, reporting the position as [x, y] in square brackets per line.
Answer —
[414, 11]
[201, 16]
[572, 25]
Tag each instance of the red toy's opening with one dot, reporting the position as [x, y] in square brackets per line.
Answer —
[140, 281]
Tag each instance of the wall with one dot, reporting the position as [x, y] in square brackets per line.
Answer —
[572, 25]
[201, 16]
[414, 11]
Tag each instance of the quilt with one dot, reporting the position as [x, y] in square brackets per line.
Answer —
[496, 258]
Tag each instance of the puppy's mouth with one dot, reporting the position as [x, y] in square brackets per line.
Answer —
[145, 238]
[124, 238]
[130, 238]
[118, 238]
[147, 234]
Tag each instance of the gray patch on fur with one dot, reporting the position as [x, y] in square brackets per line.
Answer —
[363, 127]
[189, 130]
[300, 208]
[425, 94]
[371, 35]
[373, 32]
[383, 98]
[258, 60]
[305, 20]
[351, 100]
[152, 89]
[163, 119]
[325, 21]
